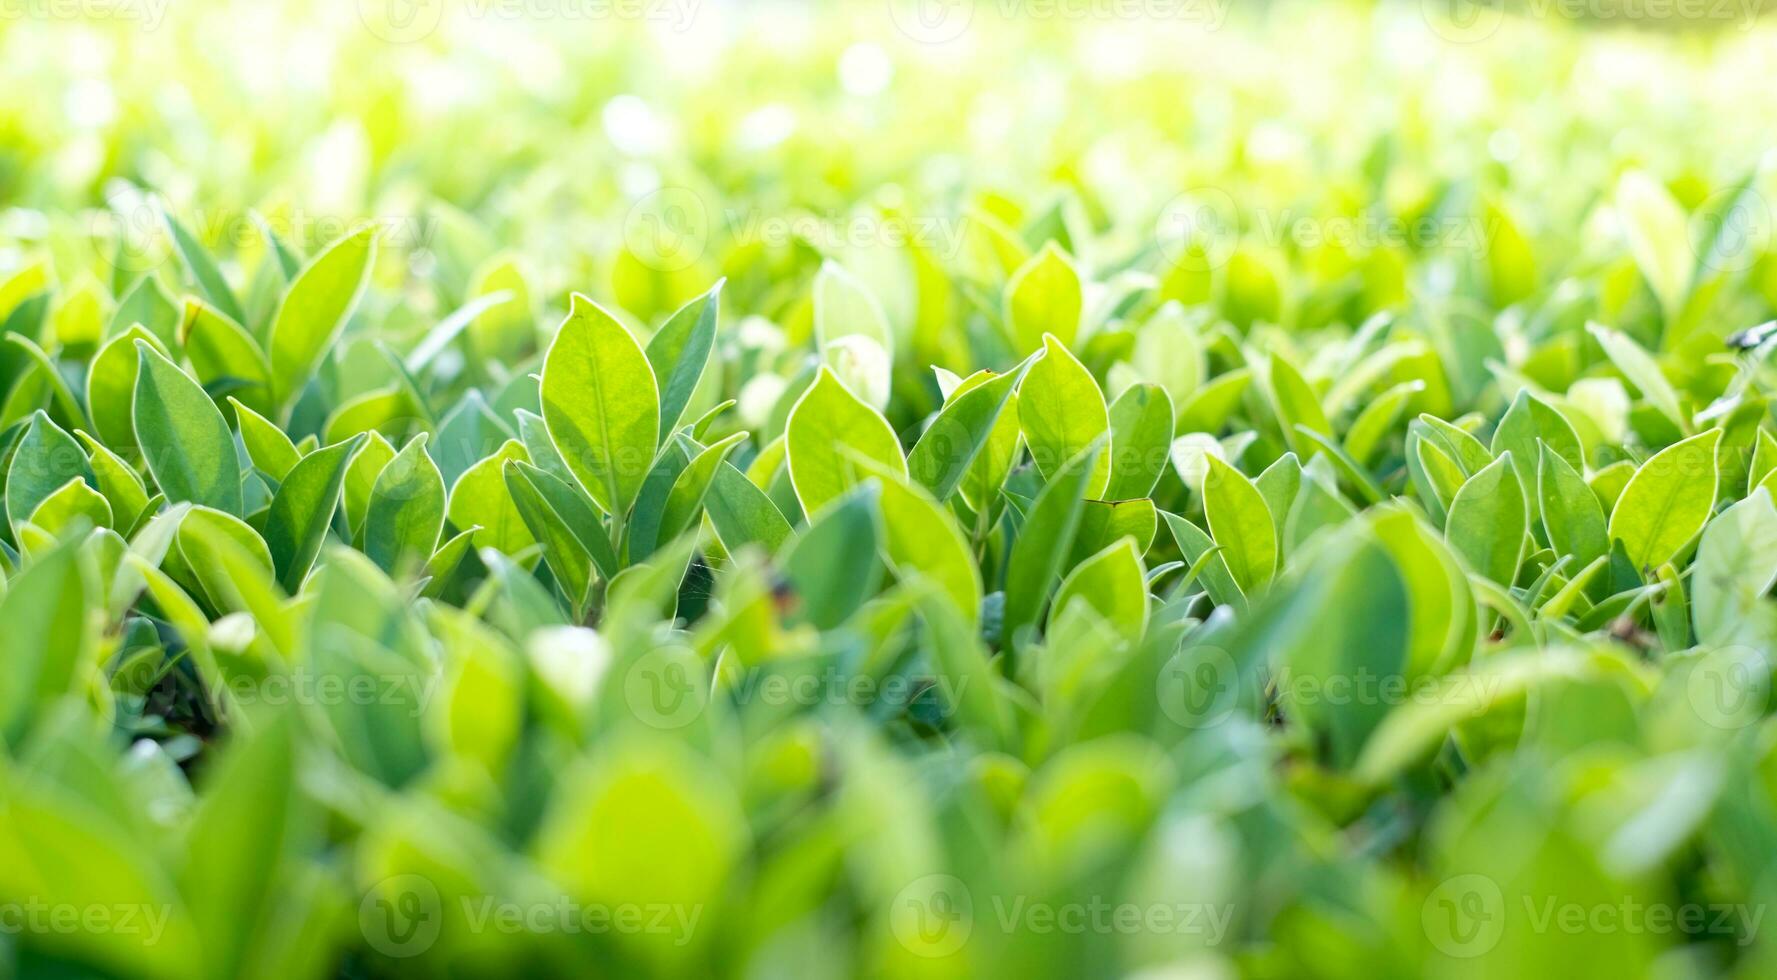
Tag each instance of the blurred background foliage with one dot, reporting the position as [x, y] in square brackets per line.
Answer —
[1458, 169]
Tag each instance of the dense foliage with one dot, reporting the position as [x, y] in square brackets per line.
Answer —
[1281, 493]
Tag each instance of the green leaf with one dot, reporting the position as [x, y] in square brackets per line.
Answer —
[832, 563]
[1045, 542]
[963, 429]
[64, 404]
[1378, 417]
[505, 330]
[921, 540]
[601, 405]
[1317, 505]
[406, 512]
[1061, 411]
[1667, 501]
[441, 568]
[267, 446]
[1113, 584]
[1642, 371]
[111, 387]
[220, 350]
[241, 832]
[361, 479]
[742, 514]
[1764, 462]
[70, 505]
[220, 558]
[1295, 400]
[1659, 237]
[42, 463]
[1103, 523]
[1169, 353]
[1418, 728]
[691, 486]
[679, 352]
[314, 311]
[1436, 476]
[1346, 617]
[981, 483]
[643, 534]
[1349, 469]
[443, 333]
[386, 410]
[1141, 438]
[1240, 522]
[828, 425]
[480, 498]
[682, 831]
[1044, 297]
[189, 448]
[1488, 520]
[1531, 420]
[1570, 512]
[122, 488]
[48, 642]
[303, 509]
[468, 433]
[288, 257]
[1208, 408]
[146, 305]
[535, 436]
[845, 307]
[962, 664]
[1443, 622]
[202, 268]
[568, 559]
[1459, 444]
[1279, 484]
[575, 509]
[1735, 569]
